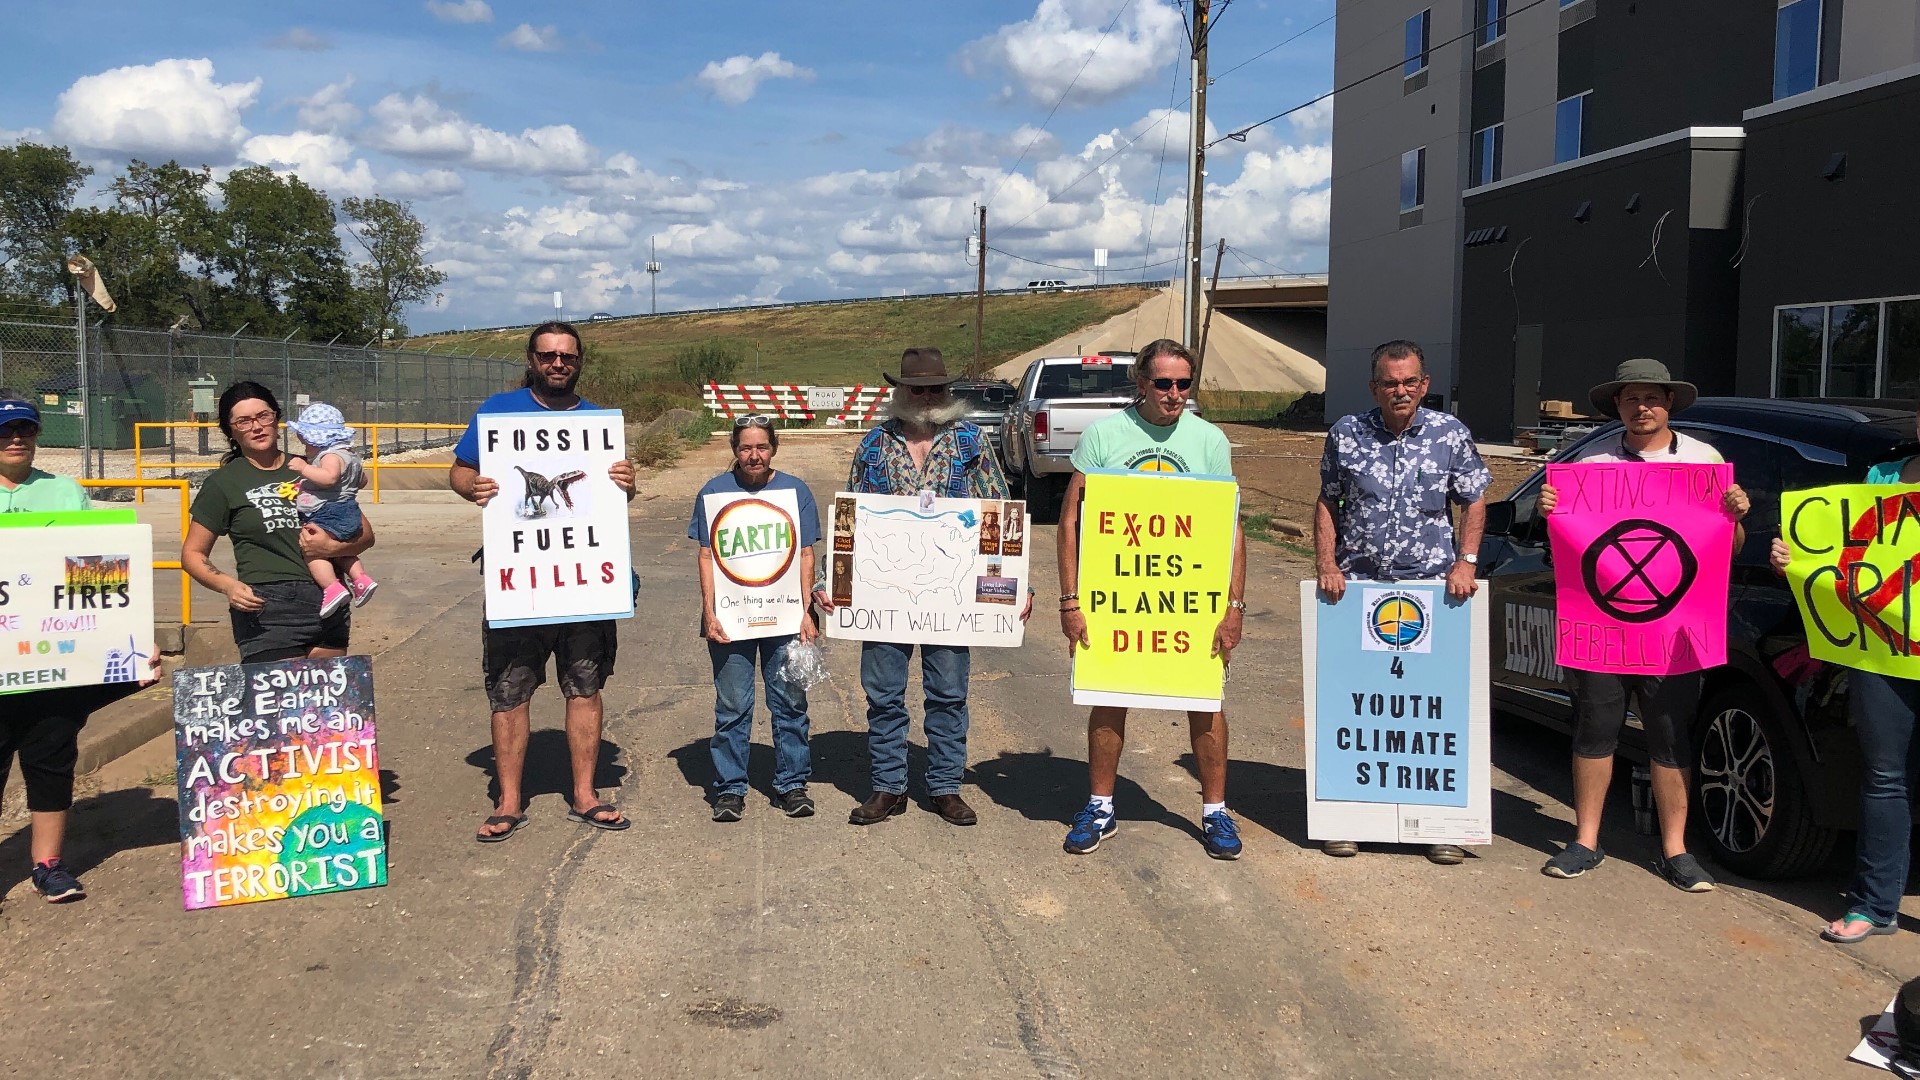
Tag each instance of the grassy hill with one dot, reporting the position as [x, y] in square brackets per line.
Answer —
[631, 362]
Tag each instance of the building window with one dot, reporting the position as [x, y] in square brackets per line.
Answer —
[1856, 349]
[1493, 20]
[1413, 180]
[1418, 30]
[1569, 127]
[1489, 145]
[1796, 48]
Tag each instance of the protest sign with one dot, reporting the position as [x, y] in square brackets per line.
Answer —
[279, 781]
[555, 536]
[76, 599]
[1853, 554]
[755, 541]
[1642, 553]
[921, 570]
[1156, 560]
[1398, 706]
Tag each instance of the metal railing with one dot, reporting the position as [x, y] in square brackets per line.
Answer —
[141, 486]
[370, 447]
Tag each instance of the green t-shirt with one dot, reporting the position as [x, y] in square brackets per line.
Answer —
[43, 492]
[254, 507]
[1125, 441]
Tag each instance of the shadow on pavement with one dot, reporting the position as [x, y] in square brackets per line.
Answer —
[1044, 787]
[548, 771]
[696, 767]
[98, 828]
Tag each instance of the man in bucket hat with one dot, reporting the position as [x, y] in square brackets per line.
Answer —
[921, 448]
[1643, 396]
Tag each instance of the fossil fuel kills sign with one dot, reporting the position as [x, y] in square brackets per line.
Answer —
[555, 536]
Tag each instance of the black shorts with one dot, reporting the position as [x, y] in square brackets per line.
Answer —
[515, 659]
[1667, 704]
[42, 727]
[289, 626]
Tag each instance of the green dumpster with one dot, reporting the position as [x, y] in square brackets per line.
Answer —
[114, 414]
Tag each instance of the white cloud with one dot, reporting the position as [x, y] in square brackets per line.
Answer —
[328, 108]
[527, 38]
[319, 158]
[170, 108]
[300, 39]
[461, 11]
[735, 79]
[420, 127]
[1315, 122]
[1045, 52]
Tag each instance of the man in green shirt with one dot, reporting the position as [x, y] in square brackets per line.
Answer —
[22, 487]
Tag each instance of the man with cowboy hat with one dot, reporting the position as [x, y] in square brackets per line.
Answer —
[921, 448]
[1642, 395]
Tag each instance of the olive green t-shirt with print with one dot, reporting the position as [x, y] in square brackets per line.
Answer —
[254, 508]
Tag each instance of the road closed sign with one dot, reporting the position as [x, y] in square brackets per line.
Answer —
[826, 399]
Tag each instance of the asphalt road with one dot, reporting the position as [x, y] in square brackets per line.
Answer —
[807, 948]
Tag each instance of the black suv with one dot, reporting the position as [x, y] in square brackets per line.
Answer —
[1776, 767]
[987, 403]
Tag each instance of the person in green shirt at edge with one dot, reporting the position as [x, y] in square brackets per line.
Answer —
[249, 499]
[43, 727]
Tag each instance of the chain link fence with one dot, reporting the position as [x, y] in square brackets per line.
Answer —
[143, 376]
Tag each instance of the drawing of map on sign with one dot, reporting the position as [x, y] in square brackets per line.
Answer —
[911, 569]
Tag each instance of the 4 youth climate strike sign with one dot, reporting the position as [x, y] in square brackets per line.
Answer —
[76, 599]
[555, 536]
[1397, 714]
[1854, 553]
[926, 570]
[1641, 558]
[755, 543]
[1156, 560]
[279, 781]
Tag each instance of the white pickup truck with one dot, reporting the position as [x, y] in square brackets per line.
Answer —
[1057, 398]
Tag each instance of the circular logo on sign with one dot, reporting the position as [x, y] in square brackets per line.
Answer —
[1397, 620]
[1638, 570]
[753, 542]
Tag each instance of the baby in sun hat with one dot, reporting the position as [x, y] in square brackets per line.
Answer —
[331, 477]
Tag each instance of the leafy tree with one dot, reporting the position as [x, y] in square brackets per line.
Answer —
[172, 199]
[37, 187]
[396, 272]
[709, 361]
[275, 241]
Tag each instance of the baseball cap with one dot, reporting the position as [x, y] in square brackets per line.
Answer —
[14, 409]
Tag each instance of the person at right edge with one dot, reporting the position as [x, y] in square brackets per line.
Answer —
[1387, 478]
[1882, 709]
[1643, 397]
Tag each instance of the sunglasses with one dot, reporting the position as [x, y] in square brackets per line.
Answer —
[1169, 384]
[551, 356]
[756, 420]
[928, 391]
[19, 429]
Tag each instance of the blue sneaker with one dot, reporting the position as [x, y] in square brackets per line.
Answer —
[1090, 826]
[1223, 836]
[56, 883]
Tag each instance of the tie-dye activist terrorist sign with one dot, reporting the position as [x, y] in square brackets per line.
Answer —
[279, 781]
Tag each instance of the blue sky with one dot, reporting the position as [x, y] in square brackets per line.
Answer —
[774, 150]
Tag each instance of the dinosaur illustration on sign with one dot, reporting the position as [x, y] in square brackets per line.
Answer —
[542, 492]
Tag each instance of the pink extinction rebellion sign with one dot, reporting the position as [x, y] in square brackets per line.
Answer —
[1641, 556]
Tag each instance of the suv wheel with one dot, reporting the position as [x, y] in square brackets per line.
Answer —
[1747, 789]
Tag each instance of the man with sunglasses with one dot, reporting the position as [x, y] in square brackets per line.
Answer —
[514, 659]
[1156, 435]
[1387, 479]
[923, 447]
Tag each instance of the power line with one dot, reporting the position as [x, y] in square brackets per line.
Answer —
[1240, 135]
[1080, 269]
[1273, 48]
[1103, 162]
[1059, 101]
[1238, 253]
[1159, 172]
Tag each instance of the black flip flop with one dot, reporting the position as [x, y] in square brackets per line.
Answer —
[501, 819]
[592, 817]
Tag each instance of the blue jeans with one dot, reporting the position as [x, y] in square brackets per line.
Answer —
[1883, 711]
[733, 715]
[943, 671]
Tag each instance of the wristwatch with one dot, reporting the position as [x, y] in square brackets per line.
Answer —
[1471, 558]
[1237, 605]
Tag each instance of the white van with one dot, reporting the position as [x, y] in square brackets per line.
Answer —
[1046, 285]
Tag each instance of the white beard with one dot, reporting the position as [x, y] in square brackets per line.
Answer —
[920, 419]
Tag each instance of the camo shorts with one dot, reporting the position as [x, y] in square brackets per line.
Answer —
[515, 660]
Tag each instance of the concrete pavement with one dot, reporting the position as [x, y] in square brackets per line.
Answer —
[810, 947]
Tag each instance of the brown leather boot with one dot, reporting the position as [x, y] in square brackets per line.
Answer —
[881, 806]
[954, 810]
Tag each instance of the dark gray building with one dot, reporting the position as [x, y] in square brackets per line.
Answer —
[1618, 178]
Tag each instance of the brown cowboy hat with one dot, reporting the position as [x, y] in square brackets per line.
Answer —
[1641, 370]
[921, 367]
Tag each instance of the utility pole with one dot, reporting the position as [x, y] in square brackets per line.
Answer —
[1196, 170]
[980, 296]
[653, 280]
[1200, 356]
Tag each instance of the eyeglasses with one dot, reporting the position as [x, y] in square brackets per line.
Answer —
[553, 357]
[257, 420]
[756, 420]
[1403, 384]
[1169, 384]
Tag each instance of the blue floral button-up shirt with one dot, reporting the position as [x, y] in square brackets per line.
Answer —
[1389, 495]
[960, 464]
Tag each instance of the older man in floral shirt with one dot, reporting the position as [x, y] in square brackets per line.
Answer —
[1387, 479]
